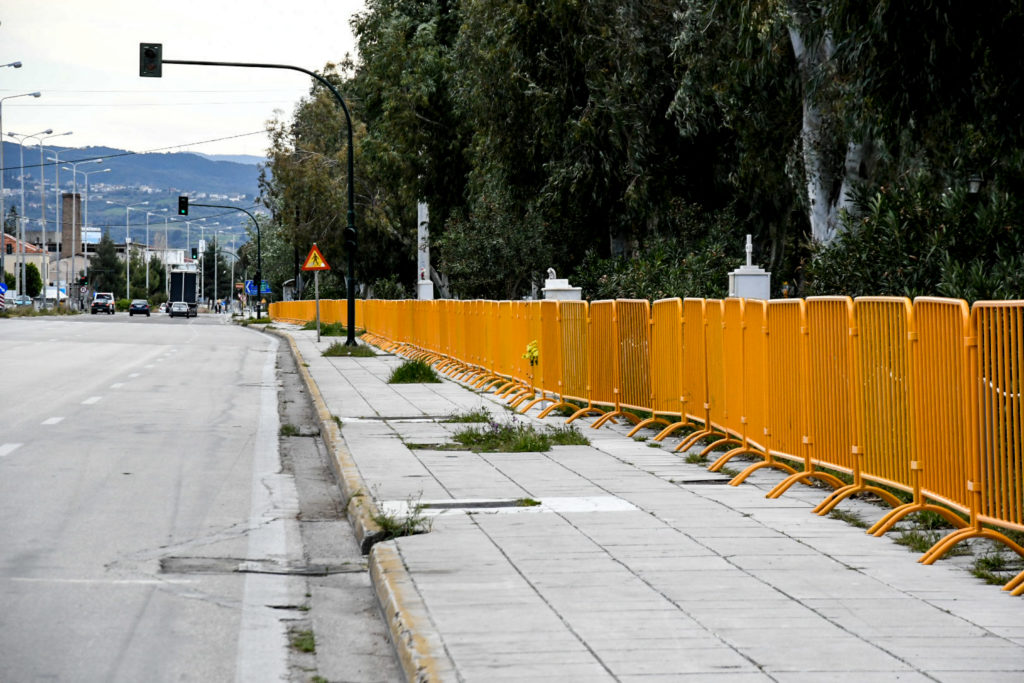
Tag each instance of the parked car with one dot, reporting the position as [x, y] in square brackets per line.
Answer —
[103, 301]
[140, 306]
[179, 308]
[21, 300]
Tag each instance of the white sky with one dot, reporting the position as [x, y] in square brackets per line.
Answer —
[83, 55]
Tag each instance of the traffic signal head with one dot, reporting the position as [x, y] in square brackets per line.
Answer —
[151, 59]
[195, 253]
[183, 205]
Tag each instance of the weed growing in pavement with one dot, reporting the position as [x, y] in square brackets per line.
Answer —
[339, 349]
[289, 430]
[527, 503]
[413, 372]
[640, 439]
[516, 437]
[334, 329]
[337, 420]
[304, 641]
[476, 415]
[695, 459]
[851, 518]
[994, 568]
[412, 523]
[653, 444]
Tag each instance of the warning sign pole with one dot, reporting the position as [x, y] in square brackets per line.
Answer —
[316, 262]
[316, 294]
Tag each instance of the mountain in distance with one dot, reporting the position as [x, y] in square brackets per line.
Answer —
[151, 182]
[248, 159]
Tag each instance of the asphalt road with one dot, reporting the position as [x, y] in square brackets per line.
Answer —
[147, 531]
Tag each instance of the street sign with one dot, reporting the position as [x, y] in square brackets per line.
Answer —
[250, 287]
[3, 287]
[315, 260]
[265, 287]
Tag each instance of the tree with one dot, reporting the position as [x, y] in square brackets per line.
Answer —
[106, 270]
[33, 280]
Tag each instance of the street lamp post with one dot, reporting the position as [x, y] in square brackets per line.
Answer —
[20, 275]
[151, 50]
[42, 214]
[3, 203]
[127, 245]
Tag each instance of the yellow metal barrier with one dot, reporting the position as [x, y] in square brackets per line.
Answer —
[665, 361]
[714, 375]
[694, 375]
[549, 347]
[939, 387]
[632, 359]
[746, 391]
[574, 338]
[603, 340]
[827, 378]
[996, 371]
[783, 391]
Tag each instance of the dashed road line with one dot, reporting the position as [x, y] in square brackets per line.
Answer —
[117, 385]
[8, 448]
[52, 420]
[91, 400]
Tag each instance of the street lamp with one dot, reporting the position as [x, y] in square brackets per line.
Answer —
[74, 214]
[127, 244]
[20, 275]
[3, 204]
[42, 216]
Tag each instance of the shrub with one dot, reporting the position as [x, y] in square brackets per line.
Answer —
[413, 372]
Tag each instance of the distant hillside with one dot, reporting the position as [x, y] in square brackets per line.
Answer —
[236, 158]
[182, 172]
[152, 181]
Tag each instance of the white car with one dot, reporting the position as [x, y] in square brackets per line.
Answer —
[179, 308]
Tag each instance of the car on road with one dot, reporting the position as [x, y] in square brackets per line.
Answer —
[179, 308]
[20, 300]
[140, 306]
[103, 302]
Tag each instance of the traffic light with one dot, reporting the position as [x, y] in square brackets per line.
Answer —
[150, 59]
[183, 205]
[195, 253]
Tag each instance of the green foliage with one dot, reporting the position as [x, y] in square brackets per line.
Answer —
[394, 525]
[515, 437]
[33, 280]
[477, 415]
[106, 270]
[339, 349]
[413, 372]
[389, 288]
[911, 241]
[696, 262]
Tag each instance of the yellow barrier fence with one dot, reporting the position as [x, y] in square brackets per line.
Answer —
[923, 396]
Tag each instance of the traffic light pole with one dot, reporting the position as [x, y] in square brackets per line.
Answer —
[151, 59]
[259, 252]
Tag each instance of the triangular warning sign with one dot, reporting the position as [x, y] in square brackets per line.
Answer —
[315, 260]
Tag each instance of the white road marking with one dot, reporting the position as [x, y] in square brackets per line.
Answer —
[135, 374]
[52, 420]
[8, 448]
[92, 399]
[143, 582]
[117, 385]
[149, 366]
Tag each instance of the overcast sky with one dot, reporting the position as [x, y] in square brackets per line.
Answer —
[83, 55]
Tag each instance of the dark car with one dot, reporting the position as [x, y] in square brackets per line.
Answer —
[140, 306]
[179, 308]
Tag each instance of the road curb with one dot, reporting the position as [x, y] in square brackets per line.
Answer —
[359, 506]
[417, 643]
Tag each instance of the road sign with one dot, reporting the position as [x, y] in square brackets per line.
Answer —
[250, 287]
[315, 260]
[265, 287]
[3, 287]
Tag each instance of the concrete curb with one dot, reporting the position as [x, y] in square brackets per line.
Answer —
[417, 644]
[359, 507]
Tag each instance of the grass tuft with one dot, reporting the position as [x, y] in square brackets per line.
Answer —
[396, 526]
[477, 415]
[289, 430]
[304, 641]
[339, 349]
[413, 372]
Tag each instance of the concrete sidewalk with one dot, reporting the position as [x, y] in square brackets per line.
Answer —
[637, 566]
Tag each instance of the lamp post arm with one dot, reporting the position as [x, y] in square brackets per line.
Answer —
[350, 229]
